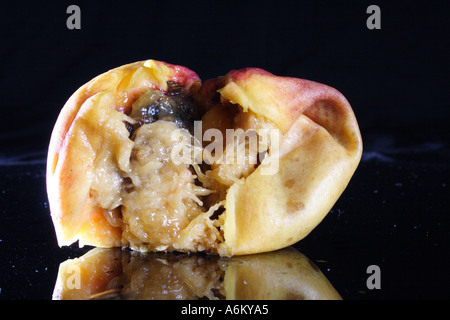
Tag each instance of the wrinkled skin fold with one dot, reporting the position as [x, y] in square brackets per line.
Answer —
[320, 148]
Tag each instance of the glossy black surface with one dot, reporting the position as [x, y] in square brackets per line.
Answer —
[394, 213]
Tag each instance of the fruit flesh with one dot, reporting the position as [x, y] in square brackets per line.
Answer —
[161, 205]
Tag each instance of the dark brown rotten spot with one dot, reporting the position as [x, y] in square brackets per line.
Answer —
[127, 184]
[173, 87]
[294, 206]
[289, 183]
[217, 213]
[131, 128]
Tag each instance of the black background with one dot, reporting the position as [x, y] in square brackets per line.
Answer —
[394, 213]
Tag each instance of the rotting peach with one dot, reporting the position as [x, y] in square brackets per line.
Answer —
[112, 182]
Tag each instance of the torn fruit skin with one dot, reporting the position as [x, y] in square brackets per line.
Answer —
[96, 171]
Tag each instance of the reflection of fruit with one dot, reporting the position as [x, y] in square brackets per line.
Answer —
[121, 274]
[92, 273]
[111, 181]
[284, 274]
